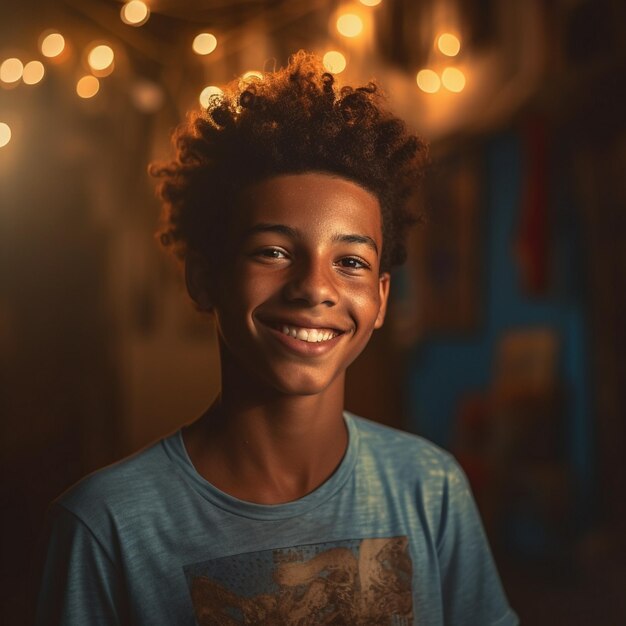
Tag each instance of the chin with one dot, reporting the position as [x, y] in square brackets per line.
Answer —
[301, 385]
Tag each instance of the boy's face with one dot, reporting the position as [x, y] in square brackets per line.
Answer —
[303, 259]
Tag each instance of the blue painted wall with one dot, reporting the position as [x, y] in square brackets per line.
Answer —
[442, 370]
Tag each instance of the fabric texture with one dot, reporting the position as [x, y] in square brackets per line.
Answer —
[392, 537]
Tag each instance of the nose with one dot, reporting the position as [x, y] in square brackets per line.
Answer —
[312, 282]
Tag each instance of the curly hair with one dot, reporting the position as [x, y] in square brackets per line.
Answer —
[293, 120]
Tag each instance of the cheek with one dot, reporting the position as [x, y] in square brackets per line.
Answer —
[247, 289]
[363, 309]
[255, 287]
[366, 302]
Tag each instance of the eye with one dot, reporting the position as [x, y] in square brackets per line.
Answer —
[271, 254]
[353, 263]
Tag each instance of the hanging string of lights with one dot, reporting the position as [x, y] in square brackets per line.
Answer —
[99, 58]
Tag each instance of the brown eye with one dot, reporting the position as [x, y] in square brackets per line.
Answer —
[353, 263]
[272, 253]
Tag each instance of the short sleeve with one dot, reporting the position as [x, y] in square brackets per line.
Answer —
[471, 588]
[80, 583]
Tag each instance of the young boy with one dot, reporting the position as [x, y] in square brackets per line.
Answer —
[287, 204]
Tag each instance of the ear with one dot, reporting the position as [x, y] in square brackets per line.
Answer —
[198, 279]
[384, 282]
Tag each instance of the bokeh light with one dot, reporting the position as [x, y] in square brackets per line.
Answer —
[334, 62]
[100, 58]
[52, 44]
[88, 86]
[349, 25]
[33, 72]
[370, 3]
[453, 79]
[449, 44]
[204, 43]
[207, 93]
[11, 70]
[428, 81]
[135, 13]
[5, 134]
[147, 96]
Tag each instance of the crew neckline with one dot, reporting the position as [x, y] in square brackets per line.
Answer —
[175, 449]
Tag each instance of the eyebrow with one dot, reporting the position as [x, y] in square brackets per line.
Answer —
[293, 233]
[364, 239]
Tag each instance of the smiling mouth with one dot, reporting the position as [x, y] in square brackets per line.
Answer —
[310, 335]
[307, 335]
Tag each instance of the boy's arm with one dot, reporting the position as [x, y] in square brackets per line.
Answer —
[472, 592]
[80, 583]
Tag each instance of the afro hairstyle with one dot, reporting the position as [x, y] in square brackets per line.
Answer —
[293, 120]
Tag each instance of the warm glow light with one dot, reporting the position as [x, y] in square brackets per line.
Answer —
[147, 96]
[33, 72]
[52, 45]
[207, 93]
[11, 70]
[105, 72]
[87, 86]
[334, 62]
[135, 13]
[100, 58]
[449, 44]
[428, 81]
[5, 134]
[349, 25]
[371, 3]
[204, 43]
[453, 79]
[253, 74]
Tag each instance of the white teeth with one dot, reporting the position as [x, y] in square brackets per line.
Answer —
[310, 335]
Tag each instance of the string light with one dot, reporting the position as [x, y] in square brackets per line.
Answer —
[5, 134]
[52, 44]
[33, 72]
[208, 93]
[204, 43]
[371, 3]
[349, 25]
[135, 13]
[334, 62]
[11, 70]
[449, 44]
[88, 86]
[100, 58]
[453, 79]
[428, 81]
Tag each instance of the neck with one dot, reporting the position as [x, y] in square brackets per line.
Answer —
[267, 447]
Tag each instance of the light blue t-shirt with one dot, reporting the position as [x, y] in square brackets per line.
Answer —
[392, 537]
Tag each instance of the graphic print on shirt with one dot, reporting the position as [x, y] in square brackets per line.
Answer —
[358, 581]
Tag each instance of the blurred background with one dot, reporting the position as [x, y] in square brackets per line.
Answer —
[506, 338]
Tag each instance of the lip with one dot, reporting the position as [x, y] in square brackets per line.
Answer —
[298, 346]
[300, 322]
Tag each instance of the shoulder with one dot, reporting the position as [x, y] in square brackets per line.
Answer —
[121, 488]
[410, 462]
[401, 448]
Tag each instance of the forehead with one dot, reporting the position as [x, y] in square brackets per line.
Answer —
[310, 201]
